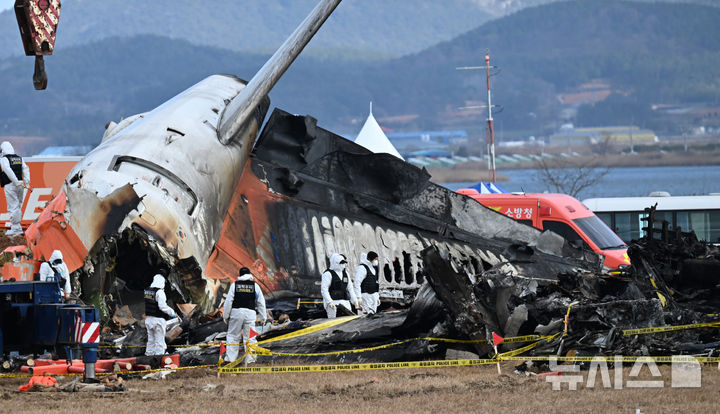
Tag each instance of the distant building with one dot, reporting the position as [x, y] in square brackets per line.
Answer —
[595, 135]
[407, 142]
[691, 115]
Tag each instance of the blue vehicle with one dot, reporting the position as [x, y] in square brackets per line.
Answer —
[33, 318]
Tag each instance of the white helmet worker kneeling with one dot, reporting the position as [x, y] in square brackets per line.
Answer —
[244, 301]
[55, 270]
[367, 287]
[336, 288]
[157, 312]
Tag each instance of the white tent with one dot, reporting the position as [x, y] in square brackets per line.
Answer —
[372, 137]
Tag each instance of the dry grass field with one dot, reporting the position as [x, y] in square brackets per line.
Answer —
[434, 390]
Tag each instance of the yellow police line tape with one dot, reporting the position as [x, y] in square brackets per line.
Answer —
[280, 369]
[615, 358]
[258, 350]
[514, 339]
[642, 331]
[294, 334]
[518, 351]
[255, 349]
[169, 346]
[300, 332]
[354, 367]
[311, 329]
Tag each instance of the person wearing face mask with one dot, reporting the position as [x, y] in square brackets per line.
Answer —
[55, 270]
[366, 282]
[244, 304]
[157, 313]
[335, 287]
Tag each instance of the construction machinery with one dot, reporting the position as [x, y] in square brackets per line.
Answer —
[34, 319]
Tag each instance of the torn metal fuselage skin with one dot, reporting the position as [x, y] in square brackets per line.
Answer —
[158, 186]
[304, 194]
[155, 192]
[307, 193]
[173, 188]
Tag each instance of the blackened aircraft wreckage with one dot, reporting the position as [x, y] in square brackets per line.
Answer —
[195, 186]
[183, 187]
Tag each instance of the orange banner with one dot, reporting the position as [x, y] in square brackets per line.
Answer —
[47, 176]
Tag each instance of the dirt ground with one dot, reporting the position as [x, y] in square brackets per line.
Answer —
[453, 390]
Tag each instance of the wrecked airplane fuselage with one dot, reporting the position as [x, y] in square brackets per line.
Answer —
[307, 193]
[160, 182]
[172, 188]
[304, 194]
[157, 188]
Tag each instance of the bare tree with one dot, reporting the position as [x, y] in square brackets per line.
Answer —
[570, 175]
[603, 146]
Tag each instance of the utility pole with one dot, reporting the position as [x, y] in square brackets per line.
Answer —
[632, 147]
[489, 129]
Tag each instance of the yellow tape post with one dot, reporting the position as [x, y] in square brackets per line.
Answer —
[354, 367]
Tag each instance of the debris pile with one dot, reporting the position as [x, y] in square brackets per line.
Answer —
[561, 305]
[672, 281]
[686, 270]
[560, 308]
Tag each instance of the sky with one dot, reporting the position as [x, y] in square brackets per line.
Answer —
[6, 4]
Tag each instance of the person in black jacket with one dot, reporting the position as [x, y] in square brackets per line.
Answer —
[367, 284]
[243, 305]
[336, 287]
[157, 312]
[14, 178]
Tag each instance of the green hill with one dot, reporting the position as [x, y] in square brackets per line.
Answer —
[357, 29]
[646, 53]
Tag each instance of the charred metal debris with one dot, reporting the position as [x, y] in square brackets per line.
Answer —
[673, 280]
[304, 194]
[452, 269]
[604, 312]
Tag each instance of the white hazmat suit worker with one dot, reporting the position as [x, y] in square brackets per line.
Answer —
[336, 287]
[157, 312]
[55, 270]
[244, 303]
[367, 286]
[14, 178]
